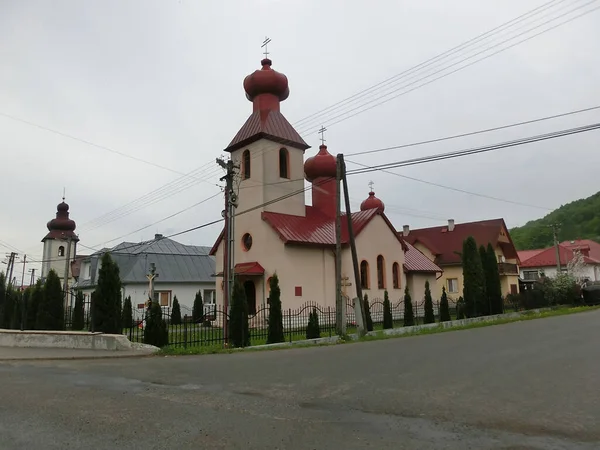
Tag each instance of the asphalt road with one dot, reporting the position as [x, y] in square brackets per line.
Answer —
[527, 385]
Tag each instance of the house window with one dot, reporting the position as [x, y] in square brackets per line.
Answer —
[380, 272]
[163, 297]
[246, 164]
[209, 296]
[364, 275]
[61, 251]
[531, 275]
[284, 163]
[452, 285]
[396, 275]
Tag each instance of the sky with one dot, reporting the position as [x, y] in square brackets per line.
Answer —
[113, 101]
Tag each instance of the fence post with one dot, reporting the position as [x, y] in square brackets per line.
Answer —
[243, 328]
[290, 323]
[185, 321]
[329, 319]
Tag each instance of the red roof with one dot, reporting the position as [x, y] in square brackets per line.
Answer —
[586, 246]
[415, 261]
[246, 268]
[547, 257]
[526, 254]
[447, 245]
[267, 124]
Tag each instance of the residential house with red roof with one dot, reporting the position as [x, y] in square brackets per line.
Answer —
[276, 232]
[443, 246]
[535, 263]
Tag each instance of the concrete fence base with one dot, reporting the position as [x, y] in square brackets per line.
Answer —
[65, 339]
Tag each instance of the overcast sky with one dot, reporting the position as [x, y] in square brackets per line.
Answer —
[162, 81]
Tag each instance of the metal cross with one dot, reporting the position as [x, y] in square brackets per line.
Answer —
[322, 133]
[371, 184]
[264, 44]
[64, 194]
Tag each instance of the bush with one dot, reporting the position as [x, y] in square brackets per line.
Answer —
[51, 310]
[155, 332]
[429, 315]
[198, 308]
[409, 316]
[275, 314]
[78, 319]
[107, 301]
[176, 312]
[444, 307]
[127, 313]
[368, 318]
[35, 300]
[238, 321]
[313, 329]
[388, 320]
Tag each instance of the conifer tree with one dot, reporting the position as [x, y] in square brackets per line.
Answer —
[107, 301]
[492, 281]
[51, 310]
[444, 307]
[17, 302]
[78, 321]
[429, 315]
[238, 320]
[473, 279]
[127, 313]
[198, 308]
[275, 313]
[155, 332]
[486, 305]
[409, 316]
[388, 320]
[35, 300]
[2, 296]
[460, 308]
[176, 312]
[313, 330]
[368, 317]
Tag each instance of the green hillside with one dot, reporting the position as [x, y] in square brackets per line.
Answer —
[579, 220]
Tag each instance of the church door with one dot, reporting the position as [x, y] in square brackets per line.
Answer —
[250, 290]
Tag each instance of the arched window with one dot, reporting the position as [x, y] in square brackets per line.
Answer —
[396, 275]
[61, 251]
[364, 274]
[380, 272]
[246, 164]
[284, 163]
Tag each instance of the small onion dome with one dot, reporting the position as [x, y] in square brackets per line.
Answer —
[372, 202]
[323, 164]
[62, 221]
[266, 81]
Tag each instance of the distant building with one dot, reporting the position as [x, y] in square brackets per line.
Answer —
[59, 244]
[443, 245]
[183, 270]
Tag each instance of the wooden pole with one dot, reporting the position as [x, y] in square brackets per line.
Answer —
[340, 321]
[359, 306]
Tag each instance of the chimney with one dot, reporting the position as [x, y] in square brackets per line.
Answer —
[405, 230]
[158, 236]
[450, 224]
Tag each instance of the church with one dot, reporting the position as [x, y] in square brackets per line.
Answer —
[280, 234]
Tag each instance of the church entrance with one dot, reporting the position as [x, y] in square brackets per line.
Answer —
[250, 290]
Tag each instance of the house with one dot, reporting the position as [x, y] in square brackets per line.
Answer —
[183, 270]
[535, 263]
[276, 232]
[443, 245]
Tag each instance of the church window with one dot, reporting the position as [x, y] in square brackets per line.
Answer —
[246, 164]
[364, 274]
[396, 275]
[380, 272]
[61, 251]
[247, 241]
[284, 163]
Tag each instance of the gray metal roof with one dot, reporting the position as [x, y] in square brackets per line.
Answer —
[175, 262]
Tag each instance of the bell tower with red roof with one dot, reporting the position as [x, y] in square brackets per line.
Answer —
[267, 149]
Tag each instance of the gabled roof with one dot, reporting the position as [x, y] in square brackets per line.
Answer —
[416, 261]
[526, 254]
[587, 246]
[547, 258]
[268, 124]
[315, 228]
[447, 245]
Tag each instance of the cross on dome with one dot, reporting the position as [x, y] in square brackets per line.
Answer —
[371, 184]
[264, 44]
[322, 131]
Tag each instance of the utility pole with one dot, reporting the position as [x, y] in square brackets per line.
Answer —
[23, 276]
[23, 303]
[32, 280]
[66, 273]
[340, 316]
[555, 227]
[359, 309]
[228, 236]
[9, 272]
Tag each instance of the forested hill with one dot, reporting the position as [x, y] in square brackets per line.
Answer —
[579, 220]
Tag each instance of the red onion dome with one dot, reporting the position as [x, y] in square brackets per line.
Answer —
[266, 81]
[322, 165]
[62, 221]
[372, 202]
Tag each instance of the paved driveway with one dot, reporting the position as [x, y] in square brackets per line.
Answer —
[527, 385]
